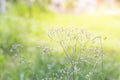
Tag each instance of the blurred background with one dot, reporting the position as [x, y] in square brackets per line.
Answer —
[25, 24]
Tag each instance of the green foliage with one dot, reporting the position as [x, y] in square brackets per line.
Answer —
[2, 61]
[86, 62]
[11, 32]
[53, 65]
[21, 35]
[26, 8]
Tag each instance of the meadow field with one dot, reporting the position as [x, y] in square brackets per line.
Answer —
[50, 46]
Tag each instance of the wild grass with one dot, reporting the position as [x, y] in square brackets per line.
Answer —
[68, 56]
[83, 50]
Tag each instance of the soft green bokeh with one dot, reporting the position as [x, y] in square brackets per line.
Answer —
[26, 34]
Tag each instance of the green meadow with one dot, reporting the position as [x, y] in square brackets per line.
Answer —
[28, 53]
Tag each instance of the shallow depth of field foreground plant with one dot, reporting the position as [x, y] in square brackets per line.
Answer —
[84, 54]
[82, 58]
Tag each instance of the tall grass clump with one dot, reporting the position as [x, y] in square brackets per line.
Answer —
[84, 54]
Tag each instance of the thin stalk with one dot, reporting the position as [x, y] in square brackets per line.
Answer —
[65, 52]
[101, 58]
[74, 55]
